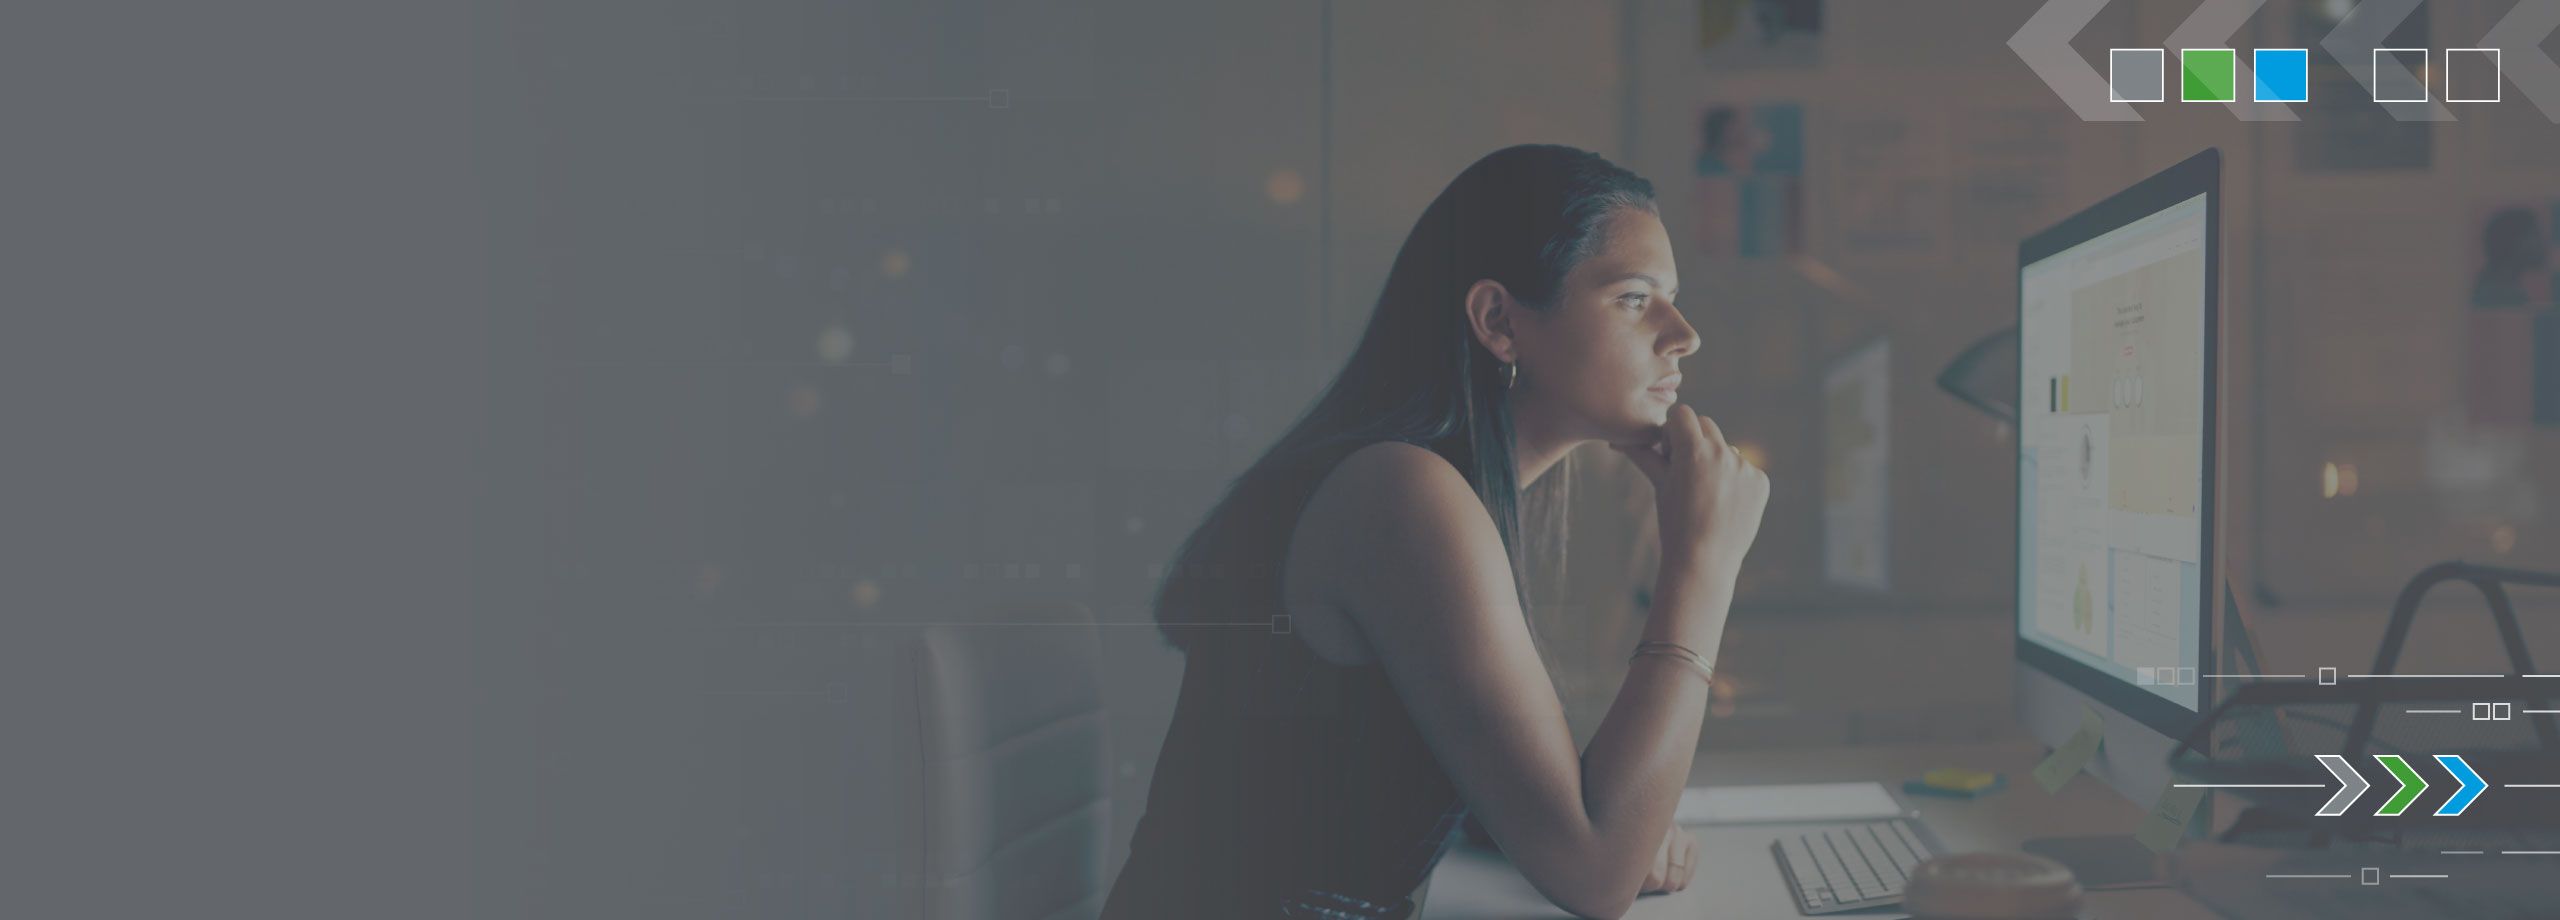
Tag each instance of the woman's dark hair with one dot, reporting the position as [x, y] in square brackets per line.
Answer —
[1521, 216]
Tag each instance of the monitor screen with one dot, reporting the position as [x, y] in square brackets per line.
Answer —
[2112, 415]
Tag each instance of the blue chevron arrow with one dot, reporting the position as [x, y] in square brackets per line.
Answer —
[2471, 785]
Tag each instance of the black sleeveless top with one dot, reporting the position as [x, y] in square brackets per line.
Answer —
[1288, 786]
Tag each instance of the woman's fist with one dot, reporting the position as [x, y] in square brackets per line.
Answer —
[1708, 497]
[1673, 863]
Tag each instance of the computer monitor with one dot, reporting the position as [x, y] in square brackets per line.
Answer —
[2117, 353]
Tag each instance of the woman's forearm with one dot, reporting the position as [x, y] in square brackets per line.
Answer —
[1638, 760]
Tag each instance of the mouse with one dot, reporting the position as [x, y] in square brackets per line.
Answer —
[1991, 886]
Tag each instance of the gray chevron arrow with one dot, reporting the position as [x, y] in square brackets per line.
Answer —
[2212, 26]
[2044, 43]
[2351, 785]
[2518, 39]
[2364, 29]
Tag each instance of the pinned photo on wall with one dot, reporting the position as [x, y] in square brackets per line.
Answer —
[1750, 188]
[1756, 34]
[1857, 509]
[2343, 129]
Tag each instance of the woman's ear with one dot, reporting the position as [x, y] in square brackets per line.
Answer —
[1489, 317]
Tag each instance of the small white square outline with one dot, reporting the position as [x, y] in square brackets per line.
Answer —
[2375, 74]
[2186, 677]
[2479, 712]
[2182, 75]
[2502, 712]
[2161, 67]
[2497, 74]
[2254, 70]
[2328, 677]
[2370, 875]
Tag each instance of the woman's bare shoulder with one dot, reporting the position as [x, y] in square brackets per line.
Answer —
[1395, 476]
[1391, 518]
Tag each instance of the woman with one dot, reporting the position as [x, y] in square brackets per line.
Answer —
[1321, 762]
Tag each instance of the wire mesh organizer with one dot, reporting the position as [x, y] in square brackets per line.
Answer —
[2441, 761]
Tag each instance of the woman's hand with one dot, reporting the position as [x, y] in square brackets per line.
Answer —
[1673, 863]
[1708, 498]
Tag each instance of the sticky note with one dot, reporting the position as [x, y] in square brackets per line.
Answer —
[1963, 780]
[2066, 761]
[2168, 819]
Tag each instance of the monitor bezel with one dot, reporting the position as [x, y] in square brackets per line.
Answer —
[2198, 174]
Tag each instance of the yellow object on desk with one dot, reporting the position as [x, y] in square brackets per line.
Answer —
[2065, 761]
[1959, 780]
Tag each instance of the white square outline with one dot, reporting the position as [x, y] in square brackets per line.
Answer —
[2182, 76]
[2161, 68]
[2328, 677]
[2497, 74]
[2254, 70]
[2424, 57]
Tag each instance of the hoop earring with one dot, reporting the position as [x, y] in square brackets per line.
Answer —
[1512, 376]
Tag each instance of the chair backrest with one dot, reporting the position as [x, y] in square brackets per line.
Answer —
[1013, 776]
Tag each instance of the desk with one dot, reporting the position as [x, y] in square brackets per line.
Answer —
[1737, 877]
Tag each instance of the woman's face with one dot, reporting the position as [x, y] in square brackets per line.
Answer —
[1603, 362]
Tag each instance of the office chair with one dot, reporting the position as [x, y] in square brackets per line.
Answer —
[1012, 796]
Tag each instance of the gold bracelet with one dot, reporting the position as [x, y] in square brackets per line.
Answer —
[1674, 648]
[1705, 671]
[1682, 650]
[1657, 643]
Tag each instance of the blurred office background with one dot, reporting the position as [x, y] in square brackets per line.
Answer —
[722, 345]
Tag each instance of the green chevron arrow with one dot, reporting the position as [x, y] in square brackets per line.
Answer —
[2411, 784]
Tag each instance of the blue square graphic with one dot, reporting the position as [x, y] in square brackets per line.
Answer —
[2281, 74]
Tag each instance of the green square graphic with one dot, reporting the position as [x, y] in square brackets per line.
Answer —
[2209, 74]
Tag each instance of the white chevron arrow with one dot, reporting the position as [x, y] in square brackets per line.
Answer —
[2364, 29]
[2518, 39]
[2351, 785]
[2212, 26]
[2044, 43]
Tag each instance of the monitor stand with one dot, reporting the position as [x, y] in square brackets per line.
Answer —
[2103, 861]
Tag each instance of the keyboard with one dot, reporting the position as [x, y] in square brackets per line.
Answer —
[1853, 866]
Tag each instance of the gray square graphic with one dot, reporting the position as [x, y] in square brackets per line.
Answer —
[2399, 75]
[2136, 74]
[2472, 75]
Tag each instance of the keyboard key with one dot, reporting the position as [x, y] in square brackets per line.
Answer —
[1911, 840]
[1853, 851]
[1852, 866]
[1834, 874]
[1904, 858]
[1847, 853]
[1807, 874]
[1887, 865]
